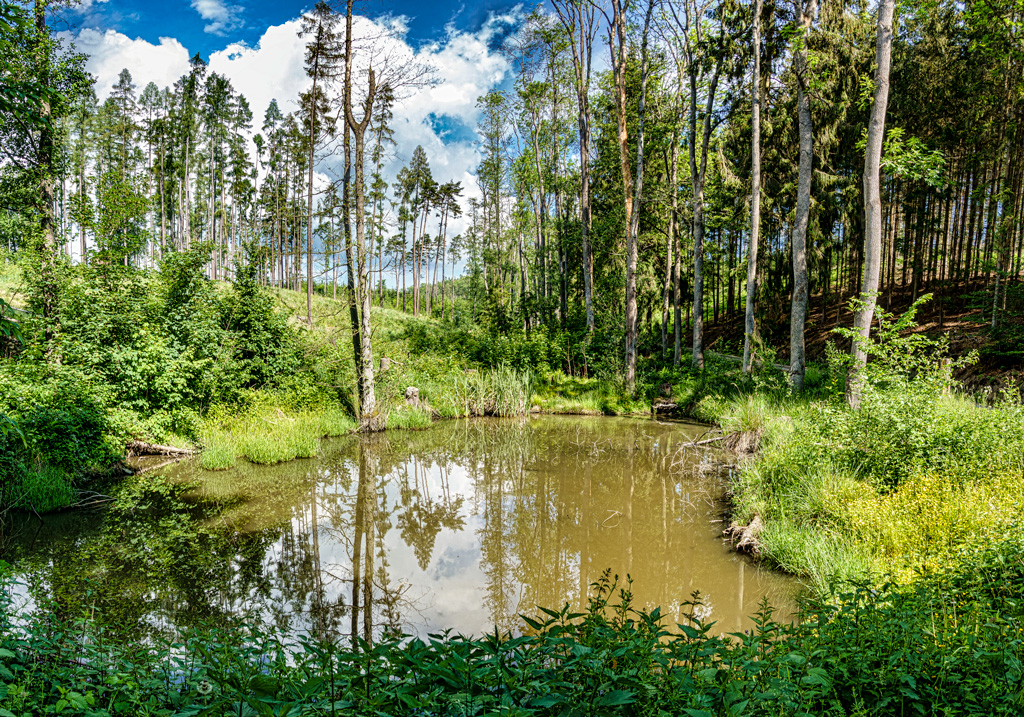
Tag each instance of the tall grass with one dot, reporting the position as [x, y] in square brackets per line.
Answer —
[904, 482]
[409, 418]
[268, 435]
[44, 490]
[449, 391]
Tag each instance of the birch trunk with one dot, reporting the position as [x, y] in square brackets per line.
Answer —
[755, 191]
[872, 201]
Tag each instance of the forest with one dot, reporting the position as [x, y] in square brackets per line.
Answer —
[754, 255]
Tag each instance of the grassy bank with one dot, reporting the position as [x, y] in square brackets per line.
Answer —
[904, 483]
[950, 644]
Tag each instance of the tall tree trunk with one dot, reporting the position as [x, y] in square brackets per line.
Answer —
[872, 201]
[667, 286]
[309, 188]
[749, 327]
[577, 17]
[45, 168]
[618, 50]
[698, 171]
[677, 301]
[369, 420]
[350, 266]
[798, 313]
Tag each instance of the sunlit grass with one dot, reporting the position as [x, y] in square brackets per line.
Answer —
[905, 484]
[44, 490]
[267, 434]
[220, 455]
[409, 417]
[558, 393]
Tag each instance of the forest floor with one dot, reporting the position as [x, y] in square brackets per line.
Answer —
[960, 312]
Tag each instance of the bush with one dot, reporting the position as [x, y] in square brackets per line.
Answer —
[64, 434]
[259, 333]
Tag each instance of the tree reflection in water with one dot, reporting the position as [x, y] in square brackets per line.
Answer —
[462, 526]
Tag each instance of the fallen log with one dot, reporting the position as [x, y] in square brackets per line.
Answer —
[706, 441]
[142, 448]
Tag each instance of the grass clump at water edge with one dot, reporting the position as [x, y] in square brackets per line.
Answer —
[268, 435]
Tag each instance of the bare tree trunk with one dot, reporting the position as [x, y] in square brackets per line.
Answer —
[798, 313]
[368, 414]
[81, 223]
[667, 286]
[45, 167]
[698, 171]
[309, 188]
[633, 207]
[677, 312]
[872, 201]
[577, 17]
[750, 327]
[617, 46]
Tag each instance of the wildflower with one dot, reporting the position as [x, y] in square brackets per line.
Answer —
[204, 687]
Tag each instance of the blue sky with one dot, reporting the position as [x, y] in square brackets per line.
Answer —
[206, 26]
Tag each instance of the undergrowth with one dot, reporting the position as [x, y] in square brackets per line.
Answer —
[951, 643]
[902, 482]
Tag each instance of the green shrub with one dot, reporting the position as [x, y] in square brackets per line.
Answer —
[259, 332]
[907, 479]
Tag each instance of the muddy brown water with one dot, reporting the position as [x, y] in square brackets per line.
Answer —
[464, 526]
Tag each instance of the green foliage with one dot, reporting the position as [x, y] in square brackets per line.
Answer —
[143, 353]
[909, 158]
[949, 644]
[9, 326]
[899, 356]
[262, 346]
[63, 433]
[120, 225]
[907, 479]
[536, 351]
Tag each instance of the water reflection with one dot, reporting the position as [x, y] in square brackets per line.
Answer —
[463, 526]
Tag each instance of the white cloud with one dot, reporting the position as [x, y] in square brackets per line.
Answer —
[272, 69]
[86, 5]
[464, 62]
[221, 17]
[109, 52]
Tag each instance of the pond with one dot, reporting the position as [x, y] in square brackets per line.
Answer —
[464, 526]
